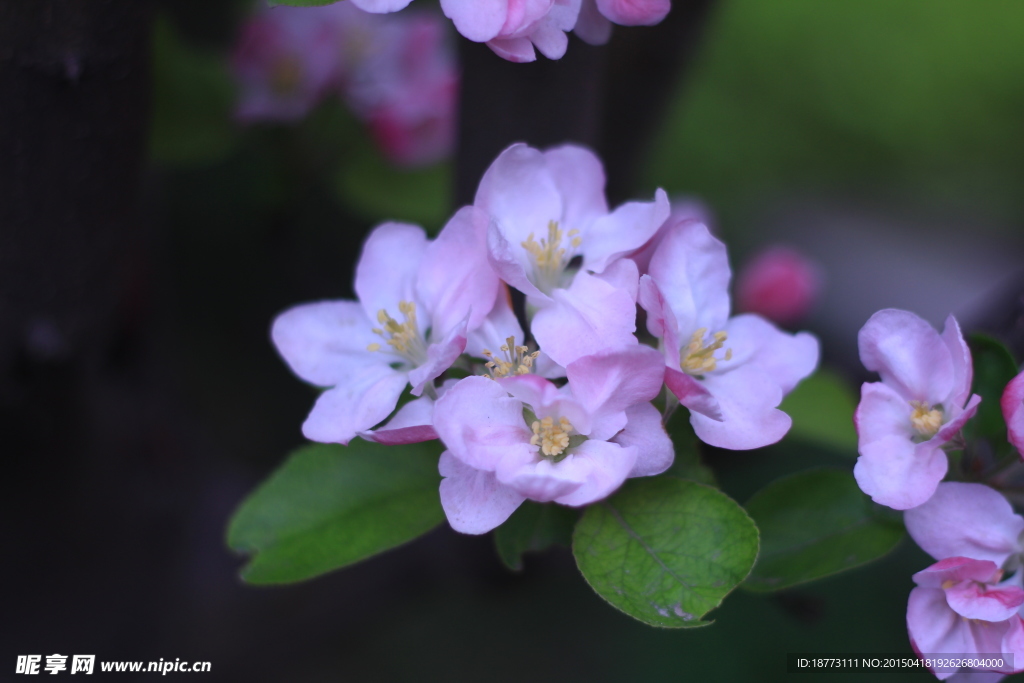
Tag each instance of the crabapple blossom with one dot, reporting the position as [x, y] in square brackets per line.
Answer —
[439, 290]
[731, 373]
[921, 403]
[960, 608]
[594, 25]
[968, 520]
[1012, 404]
[780, 284]
[553, 238]
[513, 28]
[520, 437]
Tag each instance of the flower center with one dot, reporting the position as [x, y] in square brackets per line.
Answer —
[926, 420]
[551, 436]
[404, 338]
[549, 256]
[516, 362]
[698, 357]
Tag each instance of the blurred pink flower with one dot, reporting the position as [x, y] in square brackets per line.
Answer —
[1013, 411]
[779, 283]
[597, 16]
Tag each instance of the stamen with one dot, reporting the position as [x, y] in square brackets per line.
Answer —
[926, 420]
[516, 362]
[697, 357]
[551, 436]
[403, 338]
[549, 257]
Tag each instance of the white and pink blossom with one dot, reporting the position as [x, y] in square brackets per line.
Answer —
[553, 238]
[418, 302]
[513, 28]
[962, 608]
[521, 437]
[731, 373]
[1012, 404]
[922, 402]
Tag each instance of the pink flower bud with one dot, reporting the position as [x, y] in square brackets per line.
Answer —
[780, 284]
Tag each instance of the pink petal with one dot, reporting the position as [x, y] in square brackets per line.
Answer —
[587, 318]
[412, 423]
[606, 466]
[1013, 411]
[455, 279]
[325, 341]
[909, 355]
[477, 20]
[473, 500]
[608, 383]
[748, 399]
[933, 627]
[973, 600]
[510, 263]
[519, 50]
[545, 399]
[960, 355]
[898, 473]
[950, 429]
[692, 271]
[622, 274]
[623, 231]
[440, 357]
[635, 12]
[966, 520]
[592, 27]
[549, 39]
[387, 268]
[540, 479]
[787, 358]
[381, 6]
[481, 424]
[645, 432]
[496, 328]
[356, 404]
[661, 321]
[693, 394]
[882, 413]
[579, 177]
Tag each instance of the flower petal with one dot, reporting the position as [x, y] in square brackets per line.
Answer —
[413, 423]
[787, 358]
[608, 383]
[381, 6]
[693, 394]
[966, 520]
[480, 423]
[623, 231]
[973, 600]
[1012, 404]
[960, 356]
[909, 355]
[477, 20]
[473, 500]
[898, 473]
[324, 341]
[440, 357]
[882, 413]
[602, 465]
[635, 12]
[644, 431]
[540, 479]
[387, 268]
[356, 404]
[579, 177]
[747, 398]
[933, 627]
[519, 50]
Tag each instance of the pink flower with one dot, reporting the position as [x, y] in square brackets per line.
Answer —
[418, 300]
[779, 284]
[960, 608]
[968, 520]
[921, 403]
[522, 437]
[286, 60]
[1013, 411]
[597, 16]
[731, 373]
[553, 238]
[513, 28]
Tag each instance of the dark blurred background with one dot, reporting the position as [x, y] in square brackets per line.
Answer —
[147, 240]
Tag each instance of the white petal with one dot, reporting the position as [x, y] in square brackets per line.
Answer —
[747, 398]
[645, 432]
[387, 268]
[623, 231]
[909, 355]
[326, 341]
[355, 405]
[473, 500]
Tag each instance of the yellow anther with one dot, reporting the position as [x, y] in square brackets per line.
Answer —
[549, 256]
[947, 584]
[551, 436]
[926, 420]
[517, 360]
[402, 337]
[698, 357]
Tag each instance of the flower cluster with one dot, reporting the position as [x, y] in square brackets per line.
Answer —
[517, 29]
[970, 602]
[567, 417]
[398, 74]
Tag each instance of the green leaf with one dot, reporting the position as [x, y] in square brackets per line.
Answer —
[534, 527]
[330, 505]
[687, 463]
[994, 367]
[814, 524]
[192, 101]
[822, 408]
[664, 550]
